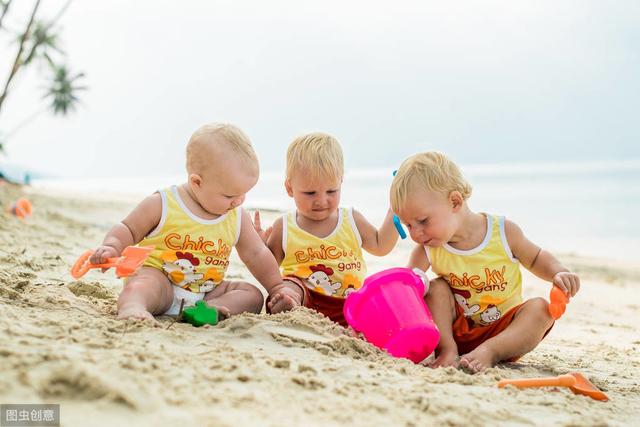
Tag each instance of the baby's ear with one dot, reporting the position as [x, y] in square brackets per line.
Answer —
[195, 180]
[456, 200]
[287, 186]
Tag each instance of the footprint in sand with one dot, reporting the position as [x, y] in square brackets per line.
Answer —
[250, 325]
[297, 333]
[91, 289]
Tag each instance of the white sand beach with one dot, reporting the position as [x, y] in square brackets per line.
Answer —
[60, 343]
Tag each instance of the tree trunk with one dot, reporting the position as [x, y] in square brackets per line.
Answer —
[17, 63]
[5, 9]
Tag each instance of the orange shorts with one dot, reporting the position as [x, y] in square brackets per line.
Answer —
[329, 306]
[469, 337]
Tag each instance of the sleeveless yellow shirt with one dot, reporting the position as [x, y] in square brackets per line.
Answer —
[486, 281]
[331, 265]
[191, 251]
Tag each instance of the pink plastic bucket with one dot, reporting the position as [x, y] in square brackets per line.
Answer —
[390, 311]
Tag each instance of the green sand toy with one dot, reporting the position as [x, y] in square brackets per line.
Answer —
[200, 314]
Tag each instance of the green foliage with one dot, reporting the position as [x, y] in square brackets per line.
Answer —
[43, 40]
[40, 42]
[63, 90]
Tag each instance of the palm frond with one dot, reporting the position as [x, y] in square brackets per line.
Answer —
[63, 90]
[43, 40]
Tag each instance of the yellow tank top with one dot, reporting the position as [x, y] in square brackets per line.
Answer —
[332, 265]
[486, 281]
[192, 252]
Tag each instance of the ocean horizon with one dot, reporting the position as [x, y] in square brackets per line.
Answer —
[583, 208]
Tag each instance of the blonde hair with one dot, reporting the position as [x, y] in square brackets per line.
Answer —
[214, 134]
[431, 170]
[318, 154]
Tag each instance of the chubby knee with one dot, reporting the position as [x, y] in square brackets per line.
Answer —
[147, 278]
[254, 297]
[439, 293]
[155, 295]
[539, 307]
[439, 285]
[135, 285]
[438, 289]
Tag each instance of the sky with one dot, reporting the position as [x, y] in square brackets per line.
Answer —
[484, 81]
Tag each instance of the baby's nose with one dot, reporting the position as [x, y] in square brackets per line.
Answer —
[417, 233]
[237, 201]
[321, 201]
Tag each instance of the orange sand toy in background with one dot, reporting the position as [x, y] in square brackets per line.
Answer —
[575, 381]
[126, 264]
[22, 208]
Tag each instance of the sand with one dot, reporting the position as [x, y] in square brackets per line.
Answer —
[60, 343]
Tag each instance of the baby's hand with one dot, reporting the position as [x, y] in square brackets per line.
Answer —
[257, 224]
[101, 254]
[568, 282]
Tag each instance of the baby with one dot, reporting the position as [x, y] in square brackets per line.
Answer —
[193, 228]
[319, 246]
[477, 300]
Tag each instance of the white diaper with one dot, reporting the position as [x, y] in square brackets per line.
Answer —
[179, 294]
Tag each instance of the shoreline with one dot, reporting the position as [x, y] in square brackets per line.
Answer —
[126, 201]
[62, 344]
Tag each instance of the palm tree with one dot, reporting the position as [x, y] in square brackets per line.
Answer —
[44, 40]
[63, 90]
[4, 5]
[39, 41]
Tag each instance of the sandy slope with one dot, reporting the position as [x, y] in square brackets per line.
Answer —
[60, 343]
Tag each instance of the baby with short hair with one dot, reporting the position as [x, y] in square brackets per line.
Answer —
[193, 227]
[319, 245]
[476, 301]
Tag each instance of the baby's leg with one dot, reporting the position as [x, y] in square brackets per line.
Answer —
[235, 297]
[443, 309]
[525, 332]
[146, 293]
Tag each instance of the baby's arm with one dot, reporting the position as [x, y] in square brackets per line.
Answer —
[274, 241]
[539, 261]
[263, 263]
[256, 256]
[418, 259]
[142, 219]
[257, 224]
[377, 242]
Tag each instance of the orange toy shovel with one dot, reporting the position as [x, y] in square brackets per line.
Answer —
[575, 381]
[557, 302]
[126, 264]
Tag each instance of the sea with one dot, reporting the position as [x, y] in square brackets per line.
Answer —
[588, 209]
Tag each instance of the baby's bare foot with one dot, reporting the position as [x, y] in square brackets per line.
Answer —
[135, 311]
[282, 302]
[446, 357]
[223, 311]
[479, 359]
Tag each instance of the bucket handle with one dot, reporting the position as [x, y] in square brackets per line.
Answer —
[352, 300]
[422, 276]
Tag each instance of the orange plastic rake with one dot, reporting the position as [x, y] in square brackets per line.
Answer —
[126, 264]
[575, 381]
